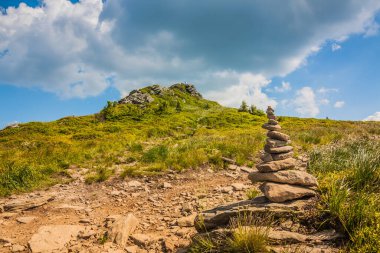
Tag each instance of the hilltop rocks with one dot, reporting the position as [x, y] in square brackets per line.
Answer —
[280, 183]
[136, 97]
[189, 88]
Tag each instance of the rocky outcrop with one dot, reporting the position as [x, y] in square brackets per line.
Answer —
[188, 88]
[137, 97]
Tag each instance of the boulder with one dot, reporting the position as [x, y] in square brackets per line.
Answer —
[53, 238]
[122, 227]
[295, 177]
[273, 143]
[278, 136]
[21, 204]
[284, 149]
[137, 97]
[288, 163]
[284, 192]
[282, 156]
[271, 127]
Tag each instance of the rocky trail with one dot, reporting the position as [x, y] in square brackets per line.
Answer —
[77, 217]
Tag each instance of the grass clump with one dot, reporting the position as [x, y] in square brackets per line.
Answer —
[100, 175]
[252, 193]
[349, 176]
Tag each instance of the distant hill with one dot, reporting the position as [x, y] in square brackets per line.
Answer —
[150, 131]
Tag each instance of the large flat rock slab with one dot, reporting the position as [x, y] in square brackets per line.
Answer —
[53, 238]
[294, 177]
[26, 203]
[284, 192]
[221, 215]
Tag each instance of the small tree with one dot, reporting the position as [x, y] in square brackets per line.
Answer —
[243, 107]
[255, 111]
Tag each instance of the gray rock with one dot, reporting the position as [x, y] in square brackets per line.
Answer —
[288, 163]
[272, 143]
[278, 136]
[271, 127]
[295, 177]
[284, 149]
[272, 122]
[282, 156]
[284, 192]
[137, 97]
[26, 204]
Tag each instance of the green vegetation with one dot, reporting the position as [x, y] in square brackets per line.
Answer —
[176, 131]
[246, 233]
[349, 176]
[252, 193]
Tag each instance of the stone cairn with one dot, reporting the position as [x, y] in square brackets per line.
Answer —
[282, 181]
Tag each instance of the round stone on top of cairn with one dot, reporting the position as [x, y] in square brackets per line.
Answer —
[281, 180]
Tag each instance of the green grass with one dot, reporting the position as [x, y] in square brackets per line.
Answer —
[150, 140]
[349, 176]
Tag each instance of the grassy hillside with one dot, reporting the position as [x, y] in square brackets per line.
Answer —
[176, 131]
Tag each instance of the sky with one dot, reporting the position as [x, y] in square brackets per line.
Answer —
[305, 58]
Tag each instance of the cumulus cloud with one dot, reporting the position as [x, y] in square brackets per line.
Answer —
[373, 117]
[335, 47]
[78, 50]
[339, 104]
[305, 102]
[285, 86]
[324, 101]
[324, 90]
[248, 87]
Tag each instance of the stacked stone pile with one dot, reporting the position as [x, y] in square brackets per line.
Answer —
[282, 180]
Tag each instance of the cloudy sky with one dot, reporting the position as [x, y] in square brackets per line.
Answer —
[307, 58]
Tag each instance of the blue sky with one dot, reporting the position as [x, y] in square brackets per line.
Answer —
[309, 59]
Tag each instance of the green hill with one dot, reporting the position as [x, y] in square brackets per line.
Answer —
[148, 132]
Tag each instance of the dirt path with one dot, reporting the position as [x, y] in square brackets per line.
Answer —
[157, 202]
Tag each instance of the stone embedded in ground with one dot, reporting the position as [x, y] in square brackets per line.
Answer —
[134, 183]
[284, 149]
[142, 240]
[17, 248]
[271, 127]
[283, 192]
[26, 204]
[187, 221]
[294, 177]
[122, 227]
[273, 143]
[26, 219]
[288, 163]
[53, 238]
[278, 136]
[282, 156]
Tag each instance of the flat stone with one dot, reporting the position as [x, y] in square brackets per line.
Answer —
[122, 227]
[272, 122]
[131, 249]
[278, 136]
[17, 248]
[221, 215]
[266, 157]
[284, 192]
[284, 149]
[134, 183]
[294, 177]
[53, 238]
[271, 127]
[272, 143]
[26, 219]
[142, 240]
[26, 204]
[288, 163]
[238, 186]
[282, 156]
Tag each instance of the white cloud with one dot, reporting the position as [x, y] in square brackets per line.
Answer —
[335, 47]
[339, 104]
[73, 50]
[285, 86]
[324, 90]
[373, 117]
[324, 101]
[248, 87]
[305, 102]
